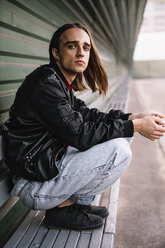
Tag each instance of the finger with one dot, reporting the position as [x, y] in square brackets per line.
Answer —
[158, 115]
[160, 128]
[159, 133]
[153, 139]
[159, 121]
[156, 136]
[161, 116]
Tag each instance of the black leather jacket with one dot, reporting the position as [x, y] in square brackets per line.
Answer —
[46, 116]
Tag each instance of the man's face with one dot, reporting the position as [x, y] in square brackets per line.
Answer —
[74, 51]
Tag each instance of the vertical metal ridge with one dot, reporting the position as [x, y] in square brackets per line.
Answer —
[103, 24]
[139, 18]
[91, 23]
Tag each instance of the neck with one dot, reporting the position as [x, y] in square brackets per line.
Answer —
[68, 75]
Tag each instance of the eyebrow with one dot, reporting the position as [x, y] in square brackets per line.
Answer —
[75, 42]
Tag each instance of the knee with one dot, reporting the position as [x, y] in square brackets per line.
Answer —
[123, 150]
[125, 147]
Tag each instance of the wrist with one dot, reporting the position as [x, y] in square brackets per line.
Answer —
[137, 125]
[132, 117]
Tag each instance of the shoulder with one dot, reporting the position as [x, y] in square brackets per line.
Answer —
[44, 74]
[47, 82]
[42, 80]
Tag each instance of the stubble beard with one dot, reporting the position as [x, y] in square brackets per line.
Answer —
[68, 70]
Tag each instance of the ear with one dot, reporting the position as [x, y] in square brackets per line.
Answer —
[55, 53]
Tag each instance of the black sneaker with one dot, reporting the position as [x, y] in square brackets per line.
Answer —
[96, 210]
[72, 217]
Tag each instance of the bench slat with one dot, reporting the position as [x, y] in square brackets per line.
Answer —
[40, 236]
[110, 225]
[17, 236]
[50, 238]
[73, 239]
[96, 238]
[2, 147]
[5, 188]
[61, 239]
[32, 230]
[84, 240]
[108, 240]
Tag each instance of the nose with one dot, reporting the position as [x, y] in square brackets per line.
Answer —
[80, 51]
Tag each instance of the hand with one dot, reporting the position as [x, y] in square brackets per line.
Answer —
[151, 127]
[145, 114]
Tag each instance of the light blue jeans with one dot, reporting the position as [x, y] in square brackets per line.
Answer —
[82, 175]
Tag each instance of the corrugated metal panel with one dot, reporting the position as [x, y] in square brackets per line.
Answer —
[27, 26]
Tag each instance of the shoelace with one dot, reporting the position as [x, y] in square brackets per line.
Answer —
[82, 210]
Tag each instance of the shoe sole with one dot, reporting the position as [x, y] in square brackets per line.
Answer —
[74, 229]
[104, 216]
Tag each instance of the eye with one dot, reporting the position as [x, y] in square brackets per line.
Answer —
[71, 46]
[86, 48]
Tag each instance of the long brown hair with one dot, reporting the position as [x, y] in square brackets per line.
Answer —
[95, 74]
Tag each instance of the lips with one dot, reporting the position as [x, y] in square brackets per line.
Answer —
[80, 61]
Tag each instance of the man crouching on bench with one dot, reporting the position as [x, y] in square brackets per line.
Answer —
[61, 153]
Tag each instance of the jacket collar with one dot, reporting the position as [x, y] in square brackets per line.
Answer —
[54, 65]
[59, 72]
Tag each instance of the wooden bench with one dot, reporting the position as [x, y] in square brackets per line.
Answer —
[22, 227]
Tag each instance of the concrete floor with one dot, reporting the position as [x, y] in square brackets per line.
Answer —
[141, 208]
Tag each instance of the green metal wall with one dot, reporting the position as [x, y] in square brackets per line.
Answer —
[26, 27]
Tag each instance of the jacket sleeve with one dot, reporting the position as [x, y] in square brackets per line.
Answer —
[94, 115]
[68, 124]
